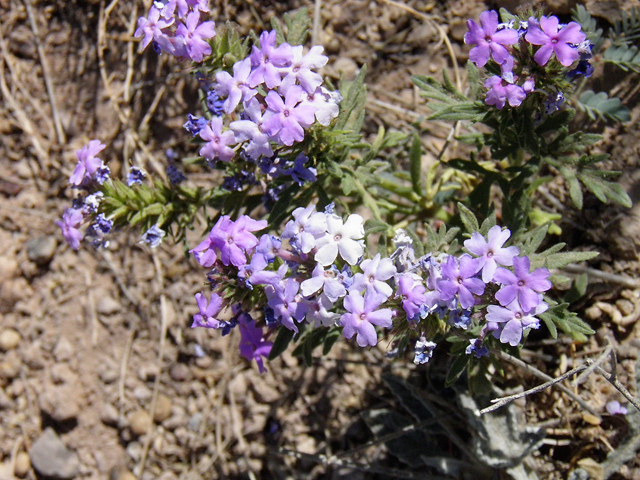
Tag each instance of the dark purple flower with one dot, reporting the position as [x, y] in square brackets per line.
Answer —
[553, 39]
[208, 311]
[488, 39]
[522, 285]
[252, 344]
[508, 324]
[175, 175]
[194, 124]
[460, 318]
[135, 176]
[71, 220]
[214, 103]
[288, 119]
[413, 295]
[477, 348]
[300, 173]
[500, 92]
[362, 315]
[458, 279]
[490, 251]
[584, 69]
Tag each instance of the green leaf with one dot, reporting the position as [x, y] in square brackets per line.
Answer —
[297, 26]
[457, 367]
[375, 226]
[559, 260]
[331, 338]
[281, 342]
[415, 157]
[599, 105]
[625, 57]
[354, 95]
[604, 189]
[627, 29]
[468, 218]
[589, 26]
[578, 289]
[575, 191]
[550, 326]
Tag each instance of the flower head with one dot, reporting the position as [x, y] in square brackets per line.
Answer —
[522, 285]
[252, 344]
[554, 39]
[458, 278]
[206, 317]
[488, 39]
[362, 315]
[88, 164]
[195, 35]
[71, 220]
[490, 252]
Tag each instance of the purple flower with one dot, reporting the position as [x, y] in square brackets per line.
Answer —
[477, 348]
[376, 272]
[300, 173]
[214, 103]
[91, 203]
[234, 239]
[413, 295]
[489, 41]
[554, 40]
[501, 92]
[268, 60]
[614, 408]
[135, 176]
[458, 279]
[71, 220]
[490, 252]
[423, 351]
[196, 36]
[320, 312]
[301, 68]
[523, 285]
[153, 236]
[288, 119]
[508, 323]
[362, 315]
[151, 27]
[88, 164]
[208, 311]
[326, 104]
[217, 146]
[251, 129]
[194, 124]
[287, 305]
[269, 247]
[252, 344]
[175, 175]
[460, 318]
[236, 88]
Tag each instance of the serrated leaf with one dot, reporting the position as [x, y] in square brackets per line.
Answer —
[599, 105]
[415, 166]
[281, 342]
[468, 218]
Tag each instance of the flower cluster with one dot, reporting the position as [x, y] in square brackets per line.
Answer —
[324, 279]
[174, 27]
[510, 45]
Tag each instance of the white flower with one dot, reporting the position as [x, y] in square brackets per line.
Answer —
[375, 273]
[319, 312]
[341, 238]
[328, 280]
[308, 226]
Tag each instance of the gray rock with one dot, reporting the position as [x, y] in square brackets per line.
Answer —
[61, 402]
[41, 250]
[51, 458]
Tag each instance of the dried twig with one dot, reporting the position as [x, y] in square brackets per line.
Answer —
[315, 35]
[606, 276]
[592, 366]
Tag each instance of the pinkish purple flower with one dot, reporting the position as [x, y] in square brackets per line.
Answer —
[195, 36]
[554, 39]
[458, 278]
[614, 408]
[217, 146]
[522, 285]
[488, 40]
[490, 251]
[268, 60]
[151, 27]
[206, 317]
[236, 88]
[88, 164]
[287, 118]
[412, 293]
[362, 315]
[252, 344]
[509, 323]
[71, 220]
[235, 240]
[287, 305]
[501, 92]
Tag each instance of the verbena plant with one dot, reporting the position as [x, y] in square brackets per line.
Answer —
[288, 262]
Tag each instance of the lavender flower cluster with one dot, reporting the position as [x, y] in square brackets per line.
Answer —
[174, 27]
[324, 279]
[510, 46]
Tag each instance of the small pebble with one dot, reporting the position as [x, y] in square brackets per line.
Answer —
[127, 475]
[180, 372]
[23, 465]
[107, 305]
[10, 368]
[163, 408]
[63, 350]
[41, 250]
[9, 339]
[139, 422]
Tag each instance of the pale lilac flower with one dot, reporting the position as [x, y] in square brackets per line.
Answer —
[268, 277]
[248, 272]
[554, 40]
[151, 27]
[208, 311]
[287, 305]
[91, 203]
[522, 285]
[412, 293]
[234, 239]
[326, 104]
[236, 88]
[71, 220]
[423, 351]
[509, 323]
[268, 60]
[404, 256]
[153, 236]
[362, 315]
[320, 313]
[195, 36]
[343, 238]
[269, 247]
[490, 251]
[252, 344]
[206, 252]
[501, 92]
[327, 280]
[614, 408]
[252, 130]
[136, 176]
[488, 39]
[288, 119]
[458, 279]
[217, 146]
[301, 67]
[376, 272]
[307, 226]
[88, 164]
